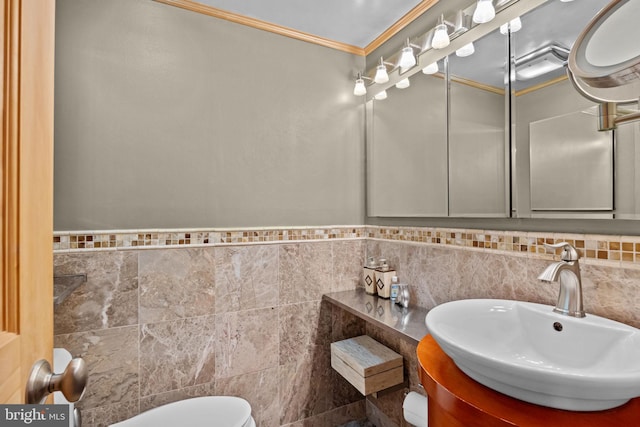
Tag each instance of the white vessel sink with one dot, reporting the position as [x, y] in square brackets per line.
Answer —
[513, 347]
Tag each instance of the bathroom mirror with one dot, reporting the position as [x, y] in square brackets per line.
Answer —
[407, 149]
[540, 92]
[564, 167]
[439, 148]
[571, 164]
[478, 142]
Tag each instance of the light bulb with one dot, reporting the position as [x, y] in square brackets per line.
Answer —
[381, 95]
[404, 83]
[484, 12]
[407, 60]
[466, 50]
[440, 37]
[359, 89]
[515, 24]
[431, 68]
[381, 74]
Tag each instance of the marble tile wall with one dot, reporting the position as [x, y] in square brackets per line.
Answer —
[159, 325]
[244, 316]
[437, 274]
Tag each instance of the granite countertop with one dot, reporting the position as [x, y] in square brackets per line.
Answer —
[407, 322]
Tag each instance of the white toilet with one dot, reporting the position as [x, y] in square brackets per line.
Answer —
[209, 411]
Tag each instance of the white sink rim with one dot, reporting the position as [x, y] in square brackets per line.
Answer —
[561, 387]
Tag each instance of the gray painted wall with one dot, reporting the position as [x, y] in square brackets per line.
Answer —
[168, 118]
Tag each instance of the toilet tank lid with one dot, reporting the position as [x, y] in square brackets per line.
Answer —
[209, 411]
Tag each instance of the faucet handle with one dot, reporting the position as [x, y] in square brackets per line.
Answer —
[569, 253]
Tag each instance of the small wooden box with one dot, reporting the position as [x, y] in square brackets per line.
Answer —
[368, 365]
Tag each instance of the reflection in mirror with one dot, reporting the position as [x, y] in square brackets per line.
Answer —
[627, 168]
[605, 59]
[478, 148]
[407, 149]
[436, 149]
[541, 92]
[541, 47]
[423, 150]
[585, 183]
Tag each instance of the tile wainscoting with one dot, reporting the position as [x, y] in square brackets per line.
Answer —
[159, 325]
[169, 314]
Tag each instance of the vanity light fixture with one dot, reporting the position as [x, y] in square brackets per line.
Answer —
[359, 89]
[403, 84]
[381, 73]
[466, 50]
[431, 68]
[461, 23]
[484, 12]
[514, 25]
[456, 24]
[381, 95]
[440, 35]
[407, 59]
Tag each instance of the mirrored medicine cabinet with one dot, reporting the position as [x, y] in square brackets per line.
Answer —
[502, 133]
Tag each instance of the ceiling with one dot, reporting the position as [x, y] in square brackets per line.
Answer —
[352, 22]
[354, 26]
[358, 26]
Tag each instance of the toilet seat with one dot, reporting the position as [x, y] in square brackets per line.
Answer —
[209, 411]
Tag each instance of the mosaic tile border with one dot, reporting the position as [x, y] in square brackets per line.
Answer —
[594, 249]
[139, 239]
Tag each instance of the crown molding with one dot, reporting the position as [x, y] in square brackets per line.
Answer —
[263, 25]
[540, 86]
[408, 18]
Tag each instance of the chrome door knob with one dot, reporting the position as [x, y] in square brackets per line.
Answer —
[42, 381]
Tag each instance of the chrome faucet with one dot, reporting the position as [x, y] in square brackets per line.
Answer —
[567, 273]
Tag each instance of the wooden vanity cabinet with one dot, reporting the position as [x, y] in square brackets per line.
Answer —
[456, 400]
